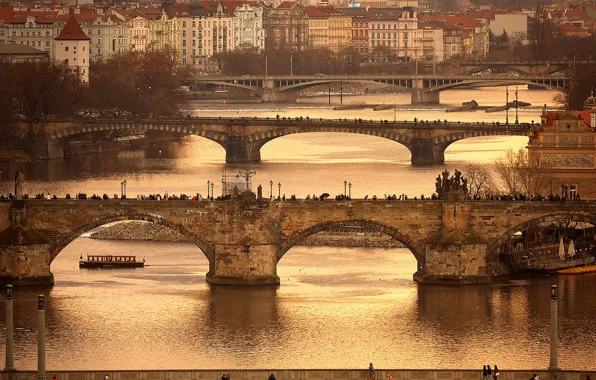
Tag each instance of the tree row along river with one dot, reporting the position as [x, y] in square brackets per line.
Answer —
[336, 307]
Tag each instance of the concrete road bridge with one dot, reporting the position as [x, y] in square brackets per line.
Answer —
[243, 138]
[425, 89]
[524, 67]
[244, 239]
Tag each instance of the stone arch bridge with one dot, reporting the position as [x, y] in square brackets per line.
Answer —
[425, 89]
[242, 138]
[453, 242]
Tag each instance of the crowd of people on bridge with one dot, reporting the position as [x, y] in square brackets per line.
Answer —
[310, 197]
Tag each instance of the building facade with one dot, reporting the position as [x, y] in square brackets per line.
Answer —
[248, 26]
[72, 48]
[286, 27]
[563, 148]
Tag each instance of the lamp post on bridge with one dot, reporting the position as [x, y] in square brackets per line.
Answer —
[270, 189]
[345, 188]
[212, 186]
[9, 367]
[123, 189]
[279, 191]
[350, 189]
[208, 188]
[554, 329]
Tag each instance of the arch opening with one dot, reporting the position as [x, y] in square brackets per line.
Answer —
[354, 237]
[296, 144]
[545, 244]
[63, 241]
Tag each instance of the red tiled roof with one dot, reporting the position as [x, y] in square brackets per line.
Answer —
[551, 116]
[286, 4]
[72, 31]
[570, 28]
[314, 12]
[8, 16]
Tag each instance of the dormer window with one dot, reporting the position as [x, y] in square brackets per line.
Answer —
[18, 16]
[49, 16]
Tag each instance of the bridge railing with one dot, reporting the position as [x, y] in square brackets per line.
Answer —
[302, 121]
[209, 78]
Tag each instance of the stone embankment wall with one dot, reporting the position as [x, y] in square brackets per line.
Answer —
[296, 374]
[156, 232]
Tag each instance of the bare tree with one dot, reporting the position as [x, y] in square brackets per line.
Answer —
[481, 181]
[518, 175]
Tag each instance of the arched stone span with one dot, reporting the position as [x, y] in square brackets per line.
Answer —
[576, 216]
[513, 82]
[451, 138]
[260, 139]
[256, 89]
[212, 135]
[61, 242]
[300, 236]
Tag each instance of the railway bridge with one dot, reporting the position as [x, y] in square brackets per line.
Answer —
[242, 138]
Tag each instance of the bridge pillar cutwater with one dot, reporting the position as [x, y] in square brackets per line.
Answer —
[24, 257]
[426, 153]
[272, 95]
[239, 150]
[420, 96]
[246, 250]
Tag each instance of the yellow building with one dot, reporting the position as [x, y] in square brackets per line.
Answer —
[328, 28]
[164, 33]
[563, 147]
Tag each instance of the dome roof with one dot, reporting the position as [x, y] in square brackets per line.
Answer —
[590, 102]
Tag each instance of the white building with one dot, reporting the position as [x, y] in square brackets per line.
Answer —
[397, 32]
[248, 27]
[72, 48]
[31, 28]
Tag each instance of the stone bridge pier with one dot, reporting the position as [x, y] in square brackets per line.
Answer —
[425, 152]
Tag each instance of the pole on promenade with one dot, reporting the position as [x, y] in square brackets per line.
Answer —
[9, 331]
[41, 339]
[506, 105]
[516, 107]
[554, 329]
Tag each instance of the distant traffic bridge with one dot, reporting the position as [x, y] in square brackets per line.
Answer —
[424, 89]
[242, 138]
[523, 67]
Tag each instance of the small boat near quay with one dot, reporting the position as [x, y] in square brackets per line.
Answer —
[109, 261]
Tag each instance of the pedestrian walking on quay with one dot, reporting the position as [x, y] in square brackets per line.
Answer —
[588, 377]
[389, 377]
[223, 376]
[55, 377]
[496, 373]
[484, 372]
[106, 377]
[371, 371]
[272, 376]
[489, 372]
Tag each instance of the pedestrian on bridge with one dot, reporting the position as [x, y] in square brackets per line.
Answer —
[371, 372]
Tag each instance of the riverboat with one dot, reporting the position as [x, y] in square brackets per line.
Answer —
[109, 261]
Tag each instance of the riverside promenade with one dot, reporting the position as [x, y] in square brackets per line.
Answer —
[299, 374]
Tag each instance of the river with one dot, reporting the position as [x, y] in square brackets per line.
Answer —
[336, 307]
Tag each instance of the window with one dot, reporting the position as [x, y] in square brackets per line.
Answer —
[83, 48]
[83, 60]
[452, 48]
[572, 191]
[66, 48]
[89, 32]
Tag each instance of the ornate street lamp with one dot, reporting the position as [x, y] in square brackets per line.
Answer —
[271, 189]
[350, 187]
[279, 190]
[208, 188]
[345, 190]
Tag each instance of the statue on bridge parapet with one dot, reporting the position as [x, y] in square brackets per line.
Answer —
[19, 179]
[451, 189]
[259, 192]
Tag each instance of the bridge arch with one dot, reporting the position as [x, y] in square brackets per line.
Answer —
[401, 84]
[59, 244]
[300, 236]
[255, 89]
[449, 139]
[578, 216]
[261, 138]
[558, 85]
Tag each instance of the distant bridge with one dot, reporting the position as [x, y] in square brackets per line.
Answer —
[524, 68]
[424, 89]
[242, 138]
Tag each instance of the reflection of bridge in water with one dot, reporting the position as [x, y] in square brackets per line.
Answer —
[242, 138]
[424, 89]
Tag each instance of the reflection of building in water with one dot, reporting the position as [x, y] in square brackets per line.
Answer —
[563, 147]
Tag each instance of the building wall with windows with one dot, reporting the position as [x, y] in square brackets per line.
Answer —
[164, 33]
[398, 32]
[248, 27]
[31, 28]
[286, 27]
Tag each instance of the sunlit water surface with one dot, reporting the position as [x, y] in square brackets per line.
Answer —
[335, 307]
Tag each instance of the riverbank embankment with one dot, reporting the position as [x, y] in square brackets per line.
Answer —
[299, 374]
[142, 231]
